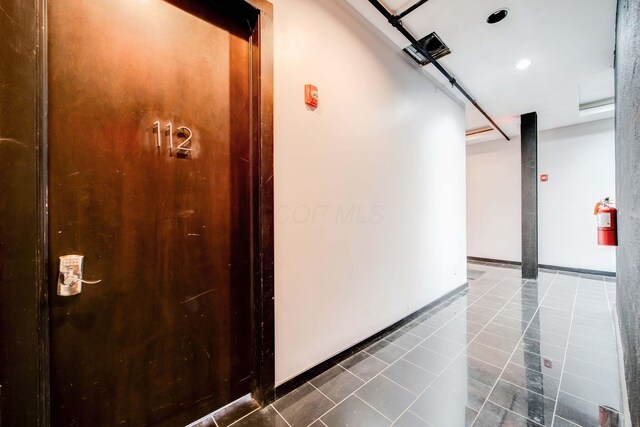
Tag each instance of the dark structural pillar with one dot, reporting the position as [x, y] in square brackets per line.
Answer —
[529, 164]
[628, 193]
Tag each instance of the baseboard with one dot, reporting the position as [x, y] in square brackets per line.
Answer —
[579, 270]
[493, 260]
[313, 372]
[548, 267]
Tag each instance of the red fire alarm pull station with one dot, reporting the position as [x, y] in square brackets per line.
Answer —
[544, 177]
[311, 95]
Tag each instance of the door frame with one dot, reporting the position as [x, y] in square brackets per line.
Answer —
[262, 201]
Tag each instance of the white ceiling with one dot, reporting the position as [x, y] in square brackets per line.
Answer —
[570, 43]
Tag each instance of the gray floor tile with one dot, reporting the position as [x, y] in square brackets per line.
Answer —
[528, 404]
[533, 380]
[419, 329]
[353, 412]
[454, 334]
[409, 419]
[303, 405]
[593, 343]
[409, 376]
[443, 346]
[606, 360]
[537, 362]
[591, 391]
[488, 354]
[468, 353]
[542, 348]
[386, 351]
[226, 416]
[265, 417]
[501, 341]
[364, 366]
[561, 422]
[607, 377]
[548, 337]
[337, 383]
[439, 409]
[427, 359]
[461, 323]
[476, 369]
[462, 388]
[496, 416]
[579, 411]
[386, 397]
[404, 339]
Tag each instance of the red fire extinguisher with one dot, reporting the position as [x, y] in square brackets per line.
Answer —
[607, 217]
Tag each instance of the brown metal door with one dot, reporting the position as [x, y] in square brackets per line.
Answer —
[168, 329]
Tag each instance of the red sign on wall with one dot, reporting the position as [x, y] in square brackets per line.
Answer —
[544, 177]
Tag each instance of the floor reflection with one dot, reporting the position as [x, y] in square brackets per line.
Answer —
[504, 352]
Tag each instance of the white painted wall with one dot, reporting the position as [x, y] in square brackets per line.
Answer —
[369, 188]
[580, 161]
[493, 200]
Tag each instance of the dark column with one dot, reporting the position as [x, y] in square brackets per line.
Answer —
[628, 193]
[529, 162]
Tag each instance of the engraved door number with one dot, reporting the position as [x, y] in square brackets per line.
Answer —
[183, 149]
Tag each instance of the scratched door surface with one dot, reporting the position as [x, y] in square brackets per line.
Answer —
[167, 331]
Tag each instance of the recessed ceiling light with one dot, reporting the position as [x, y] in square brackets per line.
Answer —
[523, 64]
[497, 16]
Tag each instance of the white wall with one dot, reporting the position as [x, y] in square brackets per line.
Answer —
[369, 188]
[580, 161]
[493, 200]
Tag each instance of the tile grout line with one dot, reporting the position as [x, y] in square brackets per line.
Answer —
[566, 420]
[322, 393]
[465, 347]
[369, 405]
[281, 416]
[518, 415]
[399, 385]
[239, 419]
[417, 366]
[564, 360]
[516, 347]
[379, 373]
[415, 415]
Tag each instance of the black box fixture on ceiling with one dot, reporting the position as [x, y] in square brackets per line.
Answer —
[396, 22]
[433, 44]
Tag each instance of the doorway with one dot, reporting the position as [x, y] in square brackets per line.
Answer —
[156, 162]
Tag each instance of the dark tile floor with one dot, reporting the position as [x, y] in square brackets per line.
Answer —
[504, 352]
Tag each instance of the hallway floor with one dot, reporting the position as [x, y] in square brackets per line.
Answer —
[504, 352]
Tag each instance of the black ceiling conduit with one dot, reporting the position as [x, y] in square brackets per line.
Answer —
[397, 23]
[410, 9]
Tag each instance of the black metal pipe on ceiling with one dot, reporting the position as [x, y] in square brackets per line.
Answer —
[411, 9]
[397, 23]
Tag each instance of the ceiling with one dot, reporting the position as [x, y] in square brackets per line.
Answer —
[570, 44]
